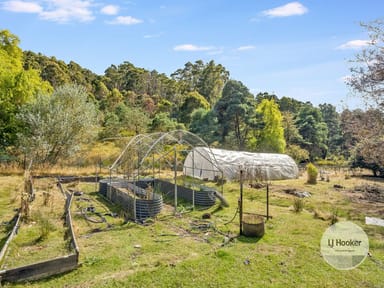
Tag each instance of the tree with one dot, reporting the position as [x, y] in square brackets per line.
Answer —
[367, 77]
[17, 87]
[271, 137]
[313, 129]
[235, 111]
[55, 126]
[193, 101]
[132, 120]
[212, 80]
[207, 79]
[293, 139]
[163, 123]
[363, 134]
[332, 119]
[189, 76]
[291, 133]
[291, 105]
[204, 123]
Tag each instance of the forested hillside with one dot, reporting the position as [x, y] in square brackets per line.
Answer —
[57, 105]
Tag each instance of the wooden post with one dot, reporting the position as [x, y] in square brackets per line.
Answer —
[267, 200]
[175, 168]
[241, 203]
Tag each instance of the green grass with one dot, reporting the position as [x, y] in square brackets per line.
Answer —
[42, 235]
[187, 251]
[9, 201]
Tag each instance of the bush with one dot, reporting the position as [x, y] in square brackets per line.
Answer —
[44, 224]
[312, 173]
[298, 205]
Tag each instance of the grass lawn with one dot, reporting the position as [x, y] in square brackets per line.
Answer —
[9, 201]
[184, 250]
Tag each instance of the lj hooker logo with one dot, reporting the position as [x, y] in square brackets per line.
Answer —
[344, 245]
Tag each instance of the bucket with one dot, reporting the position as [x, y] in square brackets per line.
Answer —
[253, 225]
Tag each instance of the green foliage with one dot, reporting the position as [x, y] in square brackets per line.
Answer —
[56, 125]
[204, 123]
[332, 119]
[207, 79]
[17, 86]
[44, 224]
[297, 153]
[312, 173]
[314, 131]
[235, 112]
[163, 123]
[131, 120]
[271, 137]
[291, 133]
[132, 100]
[290, 105]
[192, 102]
[298, 205]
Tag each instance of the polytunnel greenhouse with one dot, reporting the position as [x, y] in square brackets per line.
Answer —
[210, 163]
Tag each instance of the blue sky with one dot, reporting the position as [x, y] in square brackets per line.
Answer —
[298, 49]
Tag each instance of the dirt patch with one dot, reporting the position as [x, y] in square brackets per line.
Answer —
[369, 192]
[367, 198]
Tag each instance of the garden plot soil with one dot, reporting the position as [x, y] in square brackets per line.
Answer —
[369, 198]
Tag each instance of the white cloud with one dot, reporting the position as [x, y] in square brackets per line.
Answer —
[192, 47]
[67, 10]
[22, 6]
[245, 48]
[125, 20]
[354, 44]
[61, 11]
[290, 9]
[110, 10]
[148, 36]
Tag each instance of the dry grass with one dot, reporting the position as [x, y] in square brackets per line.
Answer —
[41, 236]
[184, 250]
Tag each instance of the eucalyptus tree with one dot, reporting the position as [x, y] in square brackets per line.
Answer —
[206, 78]
[212, 81]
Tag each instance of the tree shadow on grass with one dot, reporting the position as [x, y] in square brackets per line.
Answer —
[247, 239]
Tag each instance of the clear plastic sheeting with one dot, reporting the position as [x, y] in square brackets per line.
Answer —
[374, 221]
[211, 163]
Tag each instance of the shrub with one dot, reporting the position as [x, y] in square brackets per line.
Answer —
[312, 173]
[298, 205]
[334, 217]
[44, 224]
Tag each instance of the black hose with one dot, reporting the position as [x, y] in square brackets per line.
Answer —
[233, 218]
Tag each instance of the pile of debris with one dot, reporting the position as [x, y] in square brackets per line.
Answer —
[372, 193]
[300, 194]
